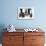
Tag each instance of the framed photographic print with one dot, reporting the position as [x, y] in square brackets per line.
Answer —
[25, 13]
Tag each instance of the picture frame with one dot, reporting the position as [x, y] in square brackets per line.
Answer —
[25, 13]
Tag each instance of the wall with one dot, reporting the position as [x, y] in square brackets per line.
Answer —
[8, 13]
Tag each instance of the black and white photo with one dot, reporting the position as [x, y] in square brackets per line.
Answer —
[25, 13]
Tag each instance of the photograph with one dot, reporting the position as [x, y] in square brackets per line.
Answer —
[25, 12]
